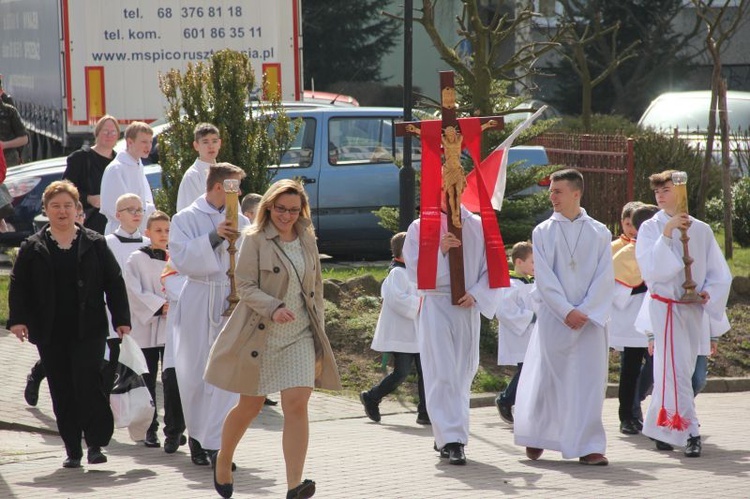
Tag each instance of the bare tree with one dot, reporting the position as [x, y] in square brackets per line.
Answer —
[722, 21]
[663, 50]
[486, 39]
[583, 34]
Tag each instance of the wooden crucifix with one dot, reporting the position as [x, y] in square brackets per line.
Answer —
[454, 180]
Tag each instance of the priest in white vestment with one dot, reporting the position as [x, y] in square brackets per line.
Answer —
[448, 335]
[125, 175]
[671, 416]
[198, 251]
[563, 382]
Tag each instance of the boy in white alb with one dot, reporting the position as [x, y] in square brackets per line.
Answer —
[122, 242]
[207, 144]
[561, 390]
[679, 328]
[396, 333]
[149, 305]
[516, 315]
[198, 251]
[623, 336]
[127, 236]
[125, 175]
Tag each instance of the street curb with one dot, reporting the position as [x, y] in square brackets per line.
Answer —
[713, 385]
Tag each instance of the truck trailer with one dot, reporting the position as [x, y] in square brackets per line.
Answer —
[68, 62]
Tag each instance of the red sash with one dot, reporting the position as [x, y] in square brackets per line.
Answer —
[497, 263]
[429, 204]
[675, 422]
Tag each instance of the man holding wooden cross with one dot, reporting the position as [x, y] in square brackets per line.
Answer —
[457, 259]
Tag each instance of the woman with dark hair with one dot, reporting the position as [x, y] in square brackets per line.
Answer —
[275, 339]
[86, 167]
[57, 302]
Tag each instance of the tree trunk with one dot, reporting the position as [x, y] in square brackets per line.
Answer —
[711, 132]
[726, 181]
[586, 88]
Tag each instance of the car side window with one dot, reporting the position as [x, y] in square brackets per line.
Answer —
[359, 140]
[301, 151]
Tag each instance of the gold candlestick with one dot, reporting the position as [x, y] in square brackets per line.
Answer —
[679, 179]
[231, 207]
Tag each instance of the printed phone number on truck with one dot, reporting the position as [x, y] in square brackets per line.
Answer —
[199, 12]
[232, 32]
[174, 55]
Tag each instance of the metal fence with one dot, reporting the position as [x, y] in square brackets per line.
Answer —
[607, 163]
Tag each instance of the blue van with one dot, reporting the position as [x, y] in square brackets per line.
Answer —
[347, 159]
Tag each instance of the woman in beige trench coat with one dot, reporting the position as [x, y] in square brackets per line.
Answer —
[275, 339]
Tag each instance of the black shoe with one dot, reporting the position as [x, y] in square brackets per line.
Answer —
[151, 439]
[663, 445]
[423, 419]
[71, 462]
[629, 428]
[694, 446]
[443, 452]
[456, 453]
[171, 444]
[638, 424]
[31, 393]
[302, 491]
[198, 454]
[268, 401]
[224, 489]
[505, 411]
[95, 456]
[372, 408]
[212, 456]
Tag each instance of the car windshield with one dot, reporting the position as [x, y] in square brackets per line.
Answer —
[691, 113]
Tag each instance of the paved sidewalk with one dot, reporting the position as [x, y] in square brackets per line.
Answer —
[351, 457]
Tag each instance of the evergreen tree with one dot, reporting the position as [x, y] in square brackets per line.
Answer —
[344, 40]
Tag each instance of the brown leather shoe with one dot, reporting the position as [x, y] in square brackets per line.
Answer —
[533, 453]
[594, 459]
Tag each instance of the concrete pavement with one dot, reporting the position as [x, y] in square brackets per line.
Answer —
[351, 457]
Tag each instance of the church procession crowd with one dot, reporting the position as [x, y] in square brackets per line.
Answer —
[110, 264]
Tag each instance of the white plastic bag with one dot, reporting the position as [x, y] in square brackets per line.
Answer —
[130, 400]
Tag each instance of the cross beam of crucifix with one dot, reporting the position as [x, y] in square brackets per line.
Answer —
[454, 180]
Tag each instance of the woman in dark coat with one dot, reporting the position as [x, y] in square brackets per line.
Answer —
[57, 302]
[86, 167]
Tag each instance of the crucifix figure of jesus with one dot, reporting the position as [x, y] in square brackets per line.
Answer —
[453, 178]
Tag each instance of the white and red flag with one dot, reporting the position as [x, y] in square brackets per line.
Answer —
[494, 171]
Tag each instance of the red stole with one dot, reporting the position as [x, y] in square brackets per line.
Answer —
[429, 233]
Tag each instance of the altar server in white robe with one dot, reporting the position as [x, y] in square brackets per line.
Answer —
[516, 316]
[207, 143]
[448, 335]
[671, 417]
[562, 386]
[198, 250]
[127, 236]
[149, 308]
[125, 175]
[122, 242]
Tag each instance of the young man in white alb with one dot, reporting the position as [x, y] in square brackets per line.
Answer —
[125, 175]
[561, 390]
[681, 331]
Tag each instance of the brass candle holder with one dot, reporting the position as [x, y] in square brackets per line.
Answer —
[679, 179]
[231, 210]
